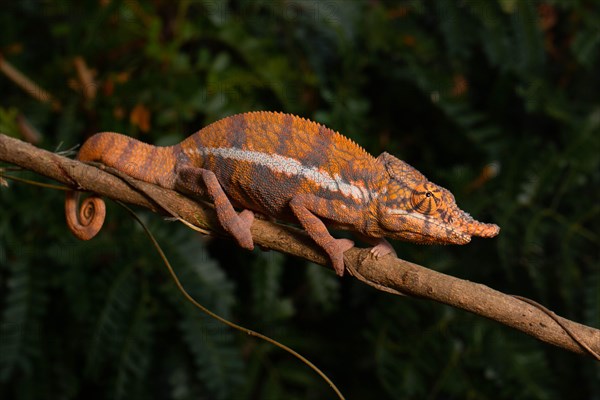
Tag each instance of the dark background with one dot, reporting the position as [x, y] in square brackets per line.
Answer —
[499, 101]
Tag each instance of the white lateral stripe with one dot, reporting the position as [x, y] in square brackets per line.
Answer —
[398, 212]
[291, 167]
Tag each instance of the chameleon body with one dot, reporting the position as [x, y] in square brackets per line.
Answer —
[289, 168]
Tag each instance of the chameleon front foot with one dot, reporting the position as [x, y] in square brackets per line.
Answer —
[382, 247]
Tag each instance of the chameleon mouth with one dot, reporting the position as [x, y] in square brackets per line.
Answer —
[451, 237]
[433, 231]
[458, 230]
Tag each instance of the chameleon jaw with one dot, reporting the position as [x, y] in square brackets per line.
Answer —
[422, 228]
[454, 237]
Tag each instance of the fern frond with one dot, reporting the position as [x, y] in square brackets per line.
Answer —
[203, 278]
[134, 355]
[218, 360]
[337, 14]
[113, 319]
[21, 323]
[586, 46]
[268, 305]
[454, 25]
[528, 39]
[475, 124]
[324, 287]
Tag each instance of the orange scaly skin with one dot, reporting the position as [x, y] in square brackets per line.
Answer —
[288, 168]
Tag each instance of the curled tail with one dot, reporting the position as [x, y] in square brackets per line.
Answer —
[137, 159]
[86, 223]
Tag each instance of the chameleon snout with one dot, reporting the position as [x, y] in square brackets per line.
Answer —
[468, 227]
[480, 229]
[483, 230]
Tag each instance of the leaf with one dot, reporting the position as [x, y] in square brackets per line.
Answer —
[586, 47]
[140, 117]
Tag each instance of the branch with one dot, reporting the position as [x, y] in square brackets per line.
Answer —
[388, 274]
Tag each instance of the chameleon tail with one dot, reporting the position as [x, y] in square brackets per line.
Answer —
[134, 158]
[86, 223]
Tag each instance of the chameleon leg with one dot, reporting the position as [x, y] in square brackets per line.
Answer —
[238, 226]
[307, 208]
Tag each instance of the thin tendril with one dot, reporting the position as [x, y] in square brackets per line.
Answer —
[35, 183]
[223, 320]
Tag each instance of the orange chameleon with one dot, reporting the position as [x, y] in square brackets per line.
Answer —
[292, 169]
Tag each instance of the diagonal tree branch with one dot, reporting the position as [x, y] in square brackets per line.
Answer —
[388, 274]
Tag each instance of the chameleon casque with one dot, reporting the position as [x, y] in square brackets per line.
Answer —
[289, 168]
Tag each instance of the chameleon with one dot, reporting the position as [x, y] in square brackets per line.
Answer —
[291, 169]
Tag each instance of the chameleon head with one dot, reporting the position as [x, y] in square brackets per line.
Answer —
[414, 209]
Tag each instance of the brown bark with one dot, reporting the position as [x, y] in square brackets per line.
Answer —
[388, 274]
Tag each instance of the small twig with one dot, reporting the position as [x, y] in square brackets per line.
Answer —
[33, 183]
[29, 86]
[86, 78]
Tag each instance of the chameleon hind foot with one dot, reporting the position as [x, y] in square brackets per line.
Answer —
[335, 250]
[241, 229]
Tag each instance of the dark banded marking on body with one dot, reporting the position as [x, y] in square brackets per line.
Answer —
[283, 138]
[268, 193]
[318, 155]
[152, 156]
[127, 155]
[237, 130]
[180, 155]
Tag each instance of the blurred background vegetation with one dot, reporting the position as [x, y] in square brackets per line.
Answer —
[499, 101]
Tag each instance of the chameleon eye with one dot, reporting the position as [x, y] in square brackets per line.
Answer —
[423, 199]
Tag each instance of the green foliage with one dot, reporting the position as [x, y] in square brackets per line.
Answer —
[217, 358]
[269, 306]
[495, 100]
[21, 325]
